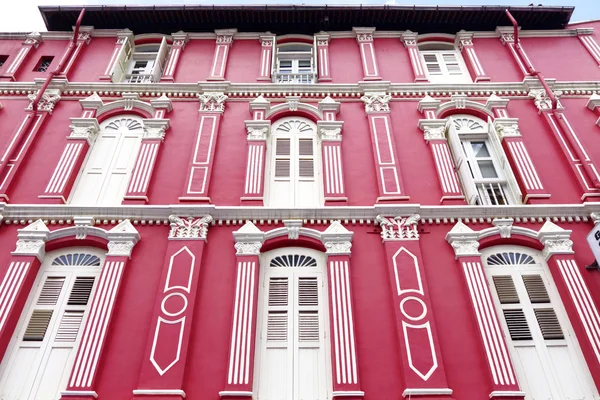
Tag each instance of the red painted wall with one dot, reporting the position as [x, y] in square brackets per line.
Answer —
[55, 48]
[195, 61]
[93, 60]
[9, 48]
[497, 60]
[243, 63]
[393, 60]
[344, 61]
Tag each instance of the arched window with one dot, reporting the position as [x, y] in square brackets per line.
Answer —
[485, 174]
[547, 358]
[292, 353]
[106, 172]
[295, 63]
[294, 178]
[443, 63]
[40, 356]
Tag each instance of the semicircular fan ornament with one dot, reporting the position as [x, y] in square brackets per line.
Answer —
[510, 258]
[295, 126]
[77, 260]
[293, 260]
[128, 123]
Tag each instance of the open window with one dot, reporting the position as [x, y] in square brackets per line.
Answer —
[543, 347]
[40, 356]
[295, 63]
[142, 63]
[443, 63]
[292, 350]
[484, 171]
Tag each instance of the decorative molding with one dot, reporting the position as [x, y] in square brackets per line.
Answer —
[47, 102]
[504, 225]
[363, 34]
[428, 103]
[338, 248]
[190, 228]
[495, 102]
[155, 128]
[84, 128]
[433, 129]
[409, 38]
[593, 102]
[337, 239]
[32, 240]
[225, 36]
[464, 240]
[267, 39]
[82, 225]
[595, 217]
[212, 102]
[376, 102]
[33, 38]
[555, 239]
[328, 104]
[180, 39]
[162, 102]
[247, 248]
[121, 239]
[322, 38]
[293, 228]
[507, 127]
[463, 38]
[257, 130]
[399, 228]
[542, 101]
[330, 131]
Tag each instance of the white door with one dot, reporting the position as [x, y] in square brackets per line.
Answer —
[105, 175]
[544, 350]
[294, 175]
[292, 347]
[39, 359]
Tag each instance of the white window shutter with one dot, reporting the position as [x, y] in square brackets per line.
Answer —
[504, 164]
[161, 60]
[462, 166]
[122, 61]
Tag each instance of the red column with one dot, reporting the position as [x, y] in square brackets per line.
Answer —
[21, 140]
[423, 371]
[585, 36]
[257, 132]
[180, 39]
[82, 381]
[32, 42]
[163, 368]
[212, 106]
[83, 39]
[19, 278]
[410, 43]
[464, 42]
[364, 37]
[389, 178]
[502, 377]
[323, 57]
[219, 64]
[240, 370]
[267, 48]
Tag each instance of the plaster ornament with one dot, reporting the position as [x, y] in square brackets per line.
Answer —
[322, 42]
[247, 248]
[212, 102]
[558, 246]
[29, 246]
[399, 228]
[120, 248]
[266, 42]
[293, 227]
[34, 38]
[542, 101]
[189, 228]
[154, 132]
[364, 37]
[507, 38]
[88, 133]
[257, 133]
[434, 133]
[338, 247]
[504, 226]
[508, 130]
[331, 134]
[460, 101]
[595, 217]
[82, 225]
[180, 39]
[464, 42]
[224, 39]
[376, 102]
[84, 37]
[465, 248]
[47, 102]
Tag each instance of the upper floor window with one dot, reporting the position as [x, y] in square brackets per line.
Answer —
[3, 59]
[294, 169]
[485, 174]
[295, 63]
[142, 63]
[548, 361]
[44, 63]
[41, 353]
[106, 172]
[292, 350]
[443, 63]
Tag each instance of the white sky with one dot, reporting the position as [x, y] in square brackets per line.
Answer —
[23, 15]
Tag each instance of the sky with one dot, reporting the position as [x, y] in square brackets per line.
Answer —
[23, 15]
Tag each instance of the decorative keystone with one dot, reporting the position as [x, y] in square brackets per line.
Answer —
[504, 226]
[82, 225]
[293, 227]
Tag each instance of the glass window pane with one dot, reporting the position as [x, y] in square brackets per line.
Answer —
[480, 149]
[487, 169]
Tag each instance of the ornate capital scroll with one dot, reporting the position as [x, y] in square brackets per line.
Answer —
[189, 228]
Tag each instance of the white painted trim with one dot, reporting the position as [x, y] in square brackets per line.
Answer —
[348, 393]
[232, 393]
[426, 392]
[159, 392]
[506, 393]
[79, 393]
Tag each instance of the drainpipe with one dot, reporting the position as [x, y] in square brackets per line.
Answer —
[554, 104]
[36, 101]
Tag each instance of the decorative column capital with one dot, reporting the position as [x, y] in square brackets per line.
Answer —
[555, 239]
[463, 240]
[330, 131]
[363, 34]
[32, 240]
[337, 239]
[506, 34]
[463, 38]
[428, 103]
[496, 102]
[328, 104]
[433, 129]
[249, 240]
[124, 35]
[84, 128]
[155, 128]
[225, 36]
[322, 38]
[47, 102]
[85, 34]
[257, 130]
[376, 102]
[180, 39]
[267, 39]
[409, 38]
[542, 101]
[34, 39]
[507, 127]
[212, 102]
[121, 239]
[399, 228]
[190, 228]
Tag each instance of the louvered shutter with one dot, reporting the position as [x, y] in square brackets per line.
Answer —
[450, 62]
[122, 61]
[461, 164]
[283, 158]
[161, 60]
[505, 288]
[536, 290]
[80, 293]
[37, 326]
[517, 324]
[500, 156]
[432, 63]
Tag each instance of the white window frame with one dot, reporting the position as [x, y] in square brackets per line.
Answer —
[295, 74]
[439, 49]
[275, 133]
[48, 270]
[462, 131]
[131, 163]
[537, 342]
[155, 63]
[261, 322]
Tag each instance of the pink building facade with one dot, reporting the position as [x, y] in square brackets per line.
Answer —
[300, 203]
